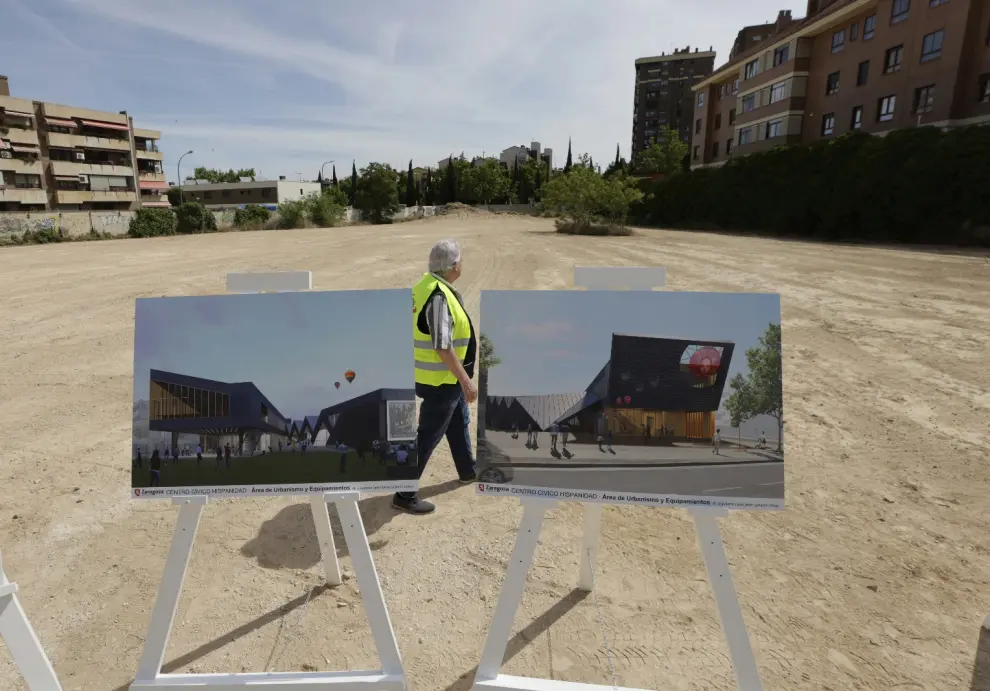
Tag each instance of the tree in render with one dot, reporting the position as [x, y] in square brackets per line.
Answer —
[761, 392]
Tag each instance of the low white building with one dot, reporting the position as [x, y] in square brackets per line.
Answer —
[247, 192]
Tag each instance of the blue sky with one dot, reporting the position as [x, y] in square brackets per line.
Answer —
[293, 346]
[557, 341]
[284, 86]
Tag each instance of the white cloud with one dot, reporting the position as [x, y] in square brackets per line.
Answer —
[422, 80]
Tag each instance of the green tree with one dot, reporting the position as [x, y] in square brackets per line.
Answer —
[216, 176]
[174, 195]
[333, 180]
[665, 155]
[487, 359]
[410, 187]
[429, 193]
[486, 181]
[336, 195]
[570, 161]
[193, 217]
[354, 183]
[251, 217]
[616, 196]
[326, 210]
[585, 199]
[291, 214]
[450, 195]
[377, 195]
[761, 392]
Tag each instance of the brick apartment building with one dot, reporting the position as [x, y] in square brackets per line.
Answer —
[848, 65]
[663, 95]
[64, 158]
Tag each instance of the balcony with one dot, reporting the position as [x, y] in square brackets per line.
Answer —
[86, 196]
[149, 155]
[141, 133]
[151, 177]
[21, 165]
[18, 136]
[23, 196]
[53, 110]
[74, 168]
[17, 105]
[80, 141]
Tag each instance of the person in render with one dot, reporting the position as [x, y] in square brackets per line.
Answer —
[444, 350]
[226, 455]
[553, 436]
[716, 441]
[155, 465]
[138, 461]
[763, 441]
[219, 457]
[166, 454]
[199, 455]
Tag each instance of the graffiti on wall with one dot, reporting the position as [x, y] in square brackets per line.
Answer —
[18, 225]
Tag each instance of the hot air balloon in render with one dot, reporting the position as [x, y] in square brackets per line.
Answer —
[349, 375]
[705, 362]
[336, 385]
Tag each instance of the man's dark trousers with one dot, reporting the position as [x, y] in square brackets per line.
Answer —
[443, 412]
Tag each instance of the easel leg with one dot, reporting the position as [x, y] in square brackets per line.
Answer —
[371, 587]
[167, 601]
[589, 547]
[729, 611]
[510, 597]
[324, 532]
[23, 644]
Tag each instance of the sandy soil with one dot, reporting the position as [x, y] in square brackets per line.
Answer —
[876, 577]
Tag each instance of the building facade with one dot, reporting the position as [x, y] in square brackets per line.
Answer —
[247, 192]
[850, 65]
[65, 158]
[663, 94]
[518, 155]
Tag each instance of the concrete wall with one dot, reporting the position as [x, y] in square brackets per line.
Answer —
[73, 223]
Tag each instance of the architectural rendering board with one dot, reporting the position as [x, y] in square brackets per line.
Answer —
[657, 398]
[275, 393]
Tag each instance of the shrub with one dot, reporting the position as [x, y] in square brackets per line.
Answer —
[590, 204]
[585, 228]
[919, 185]
[325, 210]
[291, 214]
[148, 223]
[251, 217]
[193, 217]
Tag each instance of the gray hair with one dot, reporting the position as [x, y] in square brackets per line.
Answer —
[444, 256]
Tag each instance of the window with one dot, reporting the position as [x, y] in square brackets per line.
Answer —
[985, 88]
[651, 94]
[778, 92]
[752, 69]
[863, 73]
[697, 126]
[718, 120]
[697, 152]
[838, 40]
[728, 146]
[701, 99]
[715, 150]
[854, 31]
[732, 116]
[869, 27]
[892, 59]
[749, 103]
[775, 128]
[857, 118]
[832, 84]
[735, 84]
[207, 195]
[745, 135]
[828, 124]
[781, 55]
[885, 109]
[931, 46]
[899, 11]
[936, 3]
[924, 99]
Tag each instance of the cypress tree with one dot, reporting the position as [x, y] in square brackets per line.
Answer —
[353, 181]
[616, 155]
[410, 187]
[319, 177]
[451, 182]
[430, 196]
[537, 183]
[591, 162]
[567, 166]
[333, 180]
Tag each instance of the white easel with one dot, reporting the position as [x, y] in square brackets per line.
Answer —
[391, 677]
[23, 644]
[488, 678]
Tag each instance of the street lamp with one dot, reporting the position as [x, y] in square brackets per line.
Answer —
[178, 173]
[323, 168]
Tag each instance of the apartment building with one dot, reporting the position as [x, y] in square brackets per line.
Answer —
[663, 94]
[518, 155]
[849, 65]
[64, 158]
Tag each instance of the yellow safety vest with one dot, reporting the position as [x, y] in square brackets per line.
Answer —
[430, 369]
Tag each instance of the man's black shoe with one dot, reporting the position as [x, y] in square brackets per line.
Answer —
[468, 479]
[414, 506]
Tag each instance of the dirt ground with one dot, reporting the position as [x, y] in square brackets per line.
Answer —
[877, 576]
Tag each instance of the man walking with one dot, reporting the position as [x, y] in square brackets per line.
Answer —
[716, 441]
[553, 436]
[444, 349]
